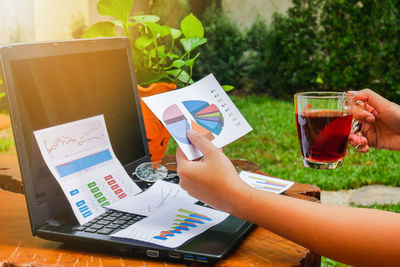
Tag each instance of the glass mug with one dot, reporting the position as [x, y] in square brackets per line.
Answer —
[324, 121]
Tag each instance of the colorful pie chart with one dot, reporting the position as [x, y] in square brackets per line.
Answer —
[176, 123]
[206, 115]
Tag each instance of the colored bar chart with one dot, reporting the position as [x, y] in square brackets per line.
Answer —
[83, 163]
[185, 220]
[265, 183]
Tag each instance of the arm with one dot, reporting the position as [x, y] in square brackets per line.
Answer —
[351, 235]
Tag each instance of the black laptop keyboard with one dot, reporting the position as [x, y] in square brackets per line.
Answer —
[109, 222]
[113, 221]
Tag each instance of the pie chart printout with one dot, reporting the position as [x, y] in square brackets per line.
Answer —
[205, 115]
[208, 120]
[176, 123]
[203, 107]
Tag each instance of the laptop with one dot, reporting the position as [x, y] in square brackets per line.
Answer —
[52, 83]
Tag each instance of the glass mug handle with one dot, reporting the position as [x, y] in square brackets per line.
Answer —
[357, 126]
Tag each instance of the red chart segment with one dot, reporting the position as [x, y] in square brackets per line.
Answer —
[176, 123]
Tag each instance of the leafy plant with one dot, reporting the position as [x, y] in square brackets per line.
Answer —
[154, 46]
[171, 12]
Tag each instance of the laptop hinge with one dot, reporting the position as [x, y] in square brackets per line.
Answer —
[54, 222]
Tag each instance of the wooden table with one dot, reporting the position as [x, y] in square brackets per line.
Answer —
[19, 248]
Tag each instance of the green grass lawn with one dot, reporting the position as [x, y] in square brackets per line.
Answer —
[273, 144]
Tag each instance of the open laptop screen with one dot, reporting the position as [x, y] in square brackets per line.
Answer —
[52, 83]
[58, 89]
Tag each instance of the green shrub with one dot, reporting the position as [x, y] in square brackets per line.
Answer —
[360, 41]
[334, 45]
[291, 53]
[331, 45]
[224, 50]
[253, 61]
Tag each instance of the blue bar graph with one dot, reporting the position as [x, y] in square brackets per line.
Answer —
[183, 222]
[161, 238]
[84, 163]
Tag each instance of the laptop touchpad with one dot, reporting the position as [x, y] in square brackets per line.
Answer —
[229, 225]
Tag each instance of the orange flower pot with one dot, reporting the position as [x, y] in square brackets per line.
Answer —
[157, 135]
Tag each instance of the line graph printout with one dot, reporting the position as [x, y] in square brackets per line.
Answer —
[204, 107]
[81, 159]
[71, 139]
[174, 224]
[153, 199]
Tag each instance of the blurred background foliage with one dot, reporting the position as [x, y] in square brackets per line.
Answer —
[224, 49]
[332, 45]
[318, 45]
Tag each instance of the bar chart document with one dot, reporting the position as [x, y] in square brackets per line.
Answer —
[80, 157]
[265, 183]
[204, 107]
[174, 224]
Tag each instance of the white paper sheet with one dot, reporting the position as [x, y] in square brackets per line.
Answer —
[266, 183]
[203, 106]
[80, 157]
[153, 199]
[174, 224]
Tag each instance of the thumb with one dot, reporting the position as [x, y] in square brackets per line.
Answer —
[202, 143]
[181, 158]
